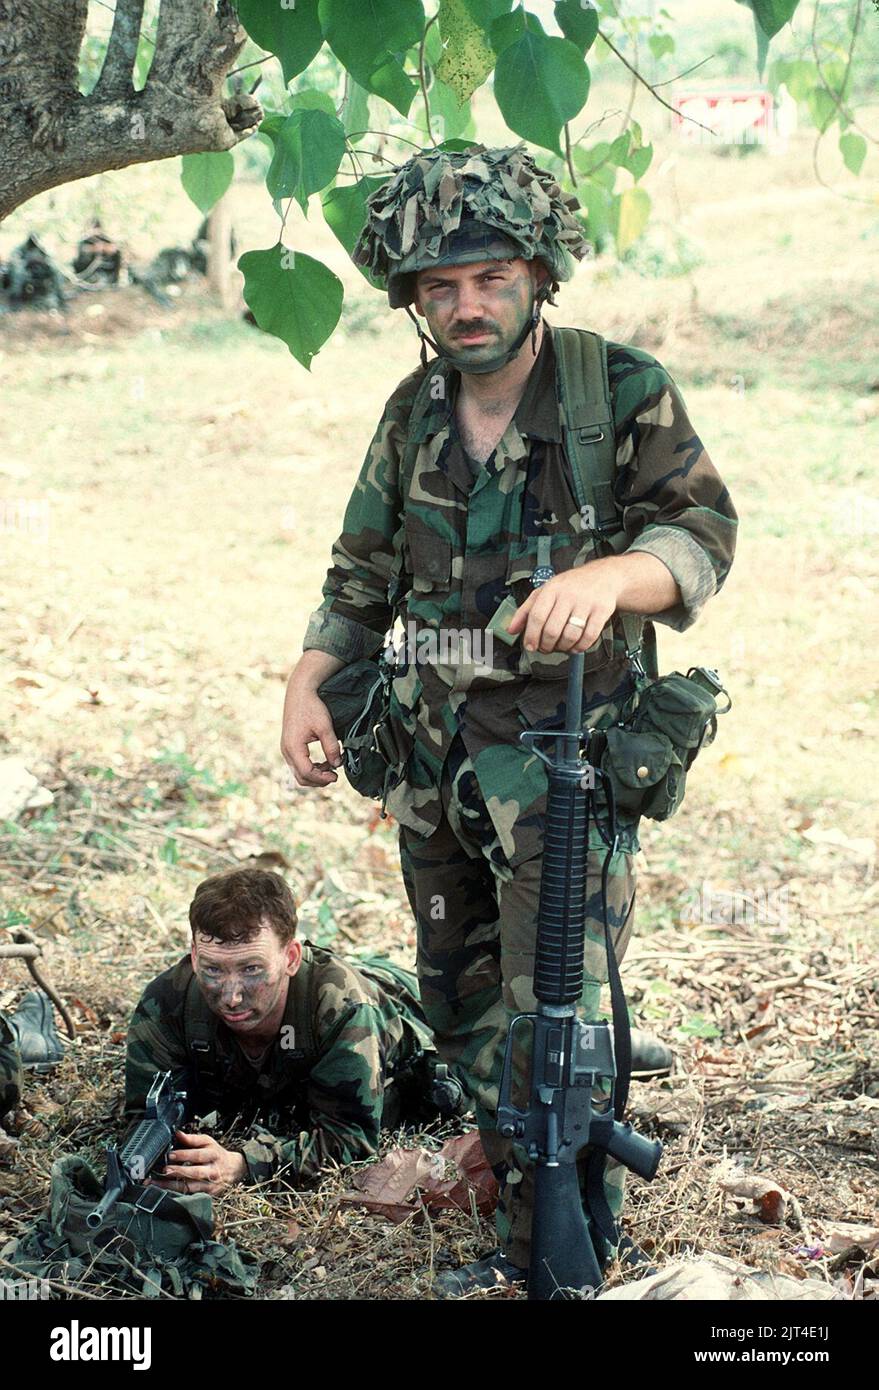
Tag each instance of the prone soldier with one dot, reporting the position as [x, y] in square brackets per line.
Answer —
[314, 1053]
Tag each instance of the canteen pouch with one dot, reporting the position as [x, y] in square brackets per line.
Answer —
[358, 698]
[646, 756]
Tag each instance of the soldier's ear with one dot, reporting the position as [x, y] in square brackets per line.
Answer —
[539, 274]
[293, 956]
[416, 302]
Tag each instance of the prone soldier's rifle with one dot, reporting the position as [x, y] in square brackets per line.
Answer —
[564, 1058]
[146, 1149]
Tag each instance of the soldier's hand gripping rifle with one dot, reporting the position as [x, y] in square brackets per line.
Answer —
[146, 1148]
[557, 1116]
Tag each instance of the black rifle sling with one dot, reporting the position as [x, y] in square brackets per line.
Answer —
[590, 447]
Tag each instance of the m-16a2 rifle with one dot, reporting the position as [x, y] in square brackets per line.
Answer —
[553, 1061]
[146, 1149]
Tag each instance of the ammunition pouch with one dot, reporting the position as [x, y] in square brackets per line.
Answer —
[359, 699]
[646, 755]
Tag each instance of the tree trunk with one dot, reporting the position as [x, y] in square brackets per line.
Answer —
[219, 255]
[51, 134]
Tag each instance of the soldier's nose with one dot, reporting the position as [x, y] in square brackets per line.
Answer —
[469, 305]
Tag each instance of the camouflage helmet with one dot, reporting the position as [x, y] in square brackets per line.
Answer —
[446, 207]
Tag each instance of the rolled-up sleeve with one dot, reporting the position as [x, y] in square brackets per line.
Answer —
[675, 505]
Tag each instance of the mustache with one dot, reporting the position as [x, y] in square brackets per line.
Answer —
[464, 330]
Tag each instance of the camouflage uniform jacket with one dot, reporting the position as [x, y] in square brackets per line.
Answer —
[323, 1103]
[472, 535]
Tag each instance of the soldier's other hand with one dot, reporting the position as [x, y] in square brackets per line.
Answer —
[587, 593]
[200, 1164]
[307, 720]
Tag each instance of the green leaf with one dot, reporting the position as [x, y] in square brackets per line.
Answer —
[345, 211]
[660, 44]
[205, 177]
[595, 163]
[308, 151]
[451, 115]
[619, 149]
[630, 217]
[598, 204]
[853, 149]
[293, 297]
[797, 75]
[468, 57]
[639, 161]
[293, 34]
[310, 99]
[700, 1027]
[355, 109]
[455, 145]
[510, 27]
[578, 22]
[366, 36]
[485, 12]
[391, 84]
[822, 107]
[762, 46]
[433, 46]
[169, 851]
[772, 15]
[540, 82]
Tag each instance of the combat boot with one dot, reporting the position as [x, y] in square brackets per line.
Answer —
[492, 1271]
[33, 1029]
[650, 1057]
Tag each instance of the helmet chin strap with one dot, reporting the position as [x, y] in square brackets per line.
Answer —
[493, 364]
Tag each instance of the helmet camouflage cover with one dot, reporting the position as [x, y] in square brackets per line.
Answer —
[446, 207]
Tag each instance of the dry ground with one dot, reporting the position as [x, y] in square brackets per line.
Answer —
[192, 478]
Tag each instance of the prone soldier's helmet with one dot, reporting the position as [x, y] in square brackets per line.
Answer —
[446, 207]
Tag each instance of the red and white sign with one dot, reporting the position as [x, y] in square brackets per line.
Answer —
[735, 117]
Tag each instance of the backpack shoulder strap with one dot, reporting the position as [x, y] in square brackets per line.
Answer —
[200, 1038]
[304, 1039]
[583, 390]
[587, 425]
[421, 406]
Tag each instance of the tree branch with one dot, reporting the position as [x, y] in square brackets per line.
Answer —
[116, 79]
[53, 135]
[837, 97]
[651, 89]
[423, 80]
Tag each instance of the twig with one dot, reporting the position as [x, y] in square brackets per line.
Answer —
[23, 952]
[44, 985]
[568, 159]
[838, 96]
[255, 64]
[53, 1283]
[644, 83]
[423, 80]
[686, 72]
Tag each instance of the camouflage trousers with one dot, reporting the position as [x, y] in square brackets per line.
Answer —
[476, 931]
[10, 1069]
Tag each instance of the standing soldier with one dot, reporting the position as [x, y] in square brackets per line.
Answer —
[465, 519]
